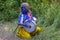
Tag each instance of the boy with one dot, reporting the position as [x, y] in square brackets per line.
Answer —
[25, 14]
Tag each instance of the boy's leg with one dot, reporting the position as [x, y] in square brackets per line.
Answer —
[38, 29]
[22, 33]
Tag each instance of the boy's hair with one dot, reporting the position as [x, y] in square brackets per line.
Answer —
[24, 4]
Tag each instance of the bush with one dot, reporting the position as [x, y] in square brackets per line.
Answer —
[9, 9]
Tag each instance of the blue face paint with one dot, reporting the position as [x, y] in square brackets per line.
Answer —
[24, 11]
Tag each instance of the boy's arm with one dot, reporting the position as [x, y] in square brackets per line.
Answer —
[20, 21]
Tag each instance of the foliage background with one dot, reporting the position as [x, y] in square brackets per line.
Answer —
[9, 9]
[46, 11]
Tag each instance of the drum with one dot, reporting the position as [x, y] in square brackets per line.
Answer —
[31, 26]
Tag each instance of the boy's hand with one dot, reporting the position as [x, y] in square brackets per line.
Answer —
[25, 25]
[29, 20]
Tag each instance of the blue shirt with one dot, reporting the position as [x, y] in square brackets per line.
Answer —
[23, 17]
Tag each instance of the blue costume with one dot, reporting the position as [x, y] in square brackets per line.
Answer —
[22, 17]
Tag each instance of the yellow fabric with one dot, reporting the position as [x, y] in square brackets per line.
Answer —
[38, 29]
[23, 34]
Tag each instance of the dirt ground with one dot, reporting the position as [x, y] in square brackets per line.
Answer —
[6, 31]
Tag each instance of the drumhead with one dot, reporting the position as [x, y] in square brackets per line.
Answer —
[32, 26]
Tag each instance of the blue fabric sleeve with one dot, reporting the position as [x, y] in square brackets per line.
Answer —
[19, 19]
